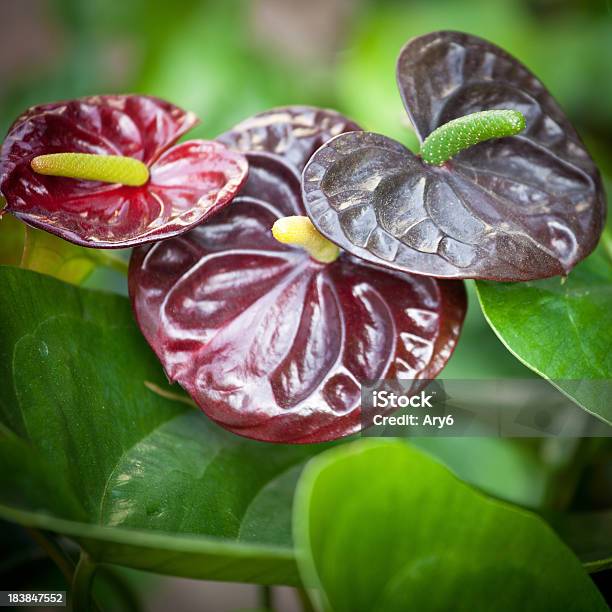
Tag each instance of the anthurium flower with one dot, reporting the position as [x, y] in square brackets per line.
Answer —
[503, 187]
[273, 337]
[105, 171]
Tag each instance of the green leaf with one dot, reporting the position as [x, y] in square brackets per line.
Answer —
[381, 527]
[561, 330]
[138, 478]
[479, 354]
[48, 254]
[512, 471]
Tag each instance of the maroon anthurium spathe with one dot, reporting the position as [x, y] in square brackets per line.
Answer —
[187, 182]
[272, 344]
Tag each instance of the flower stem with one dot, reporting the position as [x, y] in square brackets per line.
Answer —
[304, 600]
[464, 132]
[56, 554]
[266, 597]
[122, 589]
[82, 582]
[564, 479]
[175, 397]
[105, 258]
[606, 242]
[67, 567]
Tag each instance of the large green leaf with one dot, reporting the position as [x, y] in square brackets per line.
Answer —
[379, 526]
[367, 63]
[139, 478]
[512, 471]
[561, 330]
[479, 354]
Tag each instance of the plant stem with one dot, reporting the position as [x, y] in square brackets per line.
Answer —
[304, 600]
[104, 258]
[566, 478]
[55, 552]
[176, 397]
[266, 599]
[27, 247]
[121, 588]
[606, 241]
[82, 582]
[52, 548]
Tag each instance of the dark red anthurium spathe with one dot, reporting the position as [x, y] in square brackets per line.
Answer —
[187, 182]
[272, 344]
[527, 206]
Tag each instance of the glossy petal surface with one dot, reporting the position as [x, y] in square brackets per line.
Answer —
[188, 182]
[271, 344]
[518, 208]
[292, 133]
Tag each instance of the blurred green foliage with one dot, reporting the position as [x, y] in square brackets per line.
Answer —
[567, 44]
[205, 56]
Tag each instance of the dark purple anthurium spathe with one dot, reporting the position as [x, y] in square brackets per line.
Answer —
[523, 207]
[187, 182]
[272, 344]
